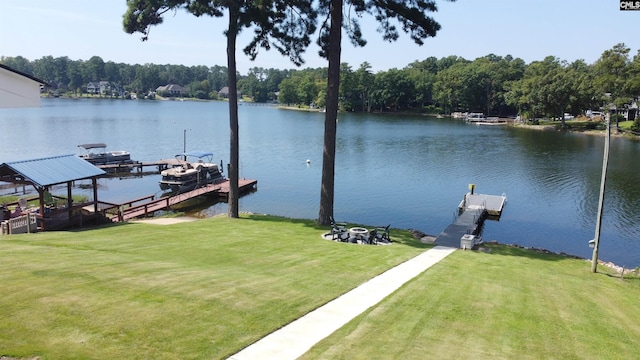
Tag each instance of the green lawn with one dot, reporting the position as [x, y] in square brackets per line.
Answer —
[195, 290]
[507, 304]
[206, 289]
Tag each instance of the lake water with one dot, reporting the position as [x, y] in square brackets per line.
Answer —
[407, 171]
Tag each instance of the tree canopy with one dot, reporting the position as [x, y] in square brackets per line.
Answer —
[437, 85]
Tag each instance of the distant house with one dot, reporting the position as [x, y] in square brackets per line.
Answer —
[172, 90]
[18, 89]
[93, 88]
[224, 92]
[105, 88]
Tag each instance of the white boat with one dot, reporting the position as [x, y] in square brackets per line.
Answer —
[481, 119]
[104, 157]
[475, 117]
[190, 173]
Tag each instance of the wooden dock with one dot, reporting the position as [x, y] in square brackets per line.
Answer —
[148, 205]
[473, 210]
[139, 166]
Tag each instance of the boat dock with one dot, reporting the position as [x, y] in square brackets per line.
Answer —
[473, 210]
[139, 166]
[147, 205]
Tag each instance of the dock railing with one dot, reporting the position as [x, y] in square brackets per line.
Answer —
[19, 225]
[119, 211]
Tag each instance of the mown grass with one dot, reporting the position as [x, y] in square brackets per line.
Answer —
[195, 290]
[208, 288]
[507, 304]
[626, 125]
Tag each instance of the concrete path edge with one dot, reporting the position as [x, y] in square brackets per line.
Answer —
[296, 338]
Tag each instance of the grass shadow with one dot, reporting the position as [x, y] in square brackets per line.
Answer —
[531, 253]
[398, 236]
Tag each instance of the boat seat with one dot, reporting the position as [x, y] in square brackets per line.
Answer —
[23, 203]
[48, 199]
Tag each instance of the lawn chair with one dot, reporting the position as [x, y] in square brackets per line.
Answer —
[338, 230]
[382, 235]
[48, 199]
[22, 202]
[372, 239]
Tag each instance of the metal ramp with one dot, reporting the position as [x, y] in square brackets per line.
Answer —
[469, 222]
[472, 211]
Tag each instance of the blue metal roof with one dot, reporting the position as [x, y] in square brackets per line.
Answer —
[50, 171]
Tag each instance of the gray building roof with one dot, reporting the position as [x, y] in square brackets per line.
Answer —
[48, 171]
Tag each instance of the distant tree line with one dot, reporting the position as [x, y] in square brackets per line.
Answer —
[72, 76]
[494, 85]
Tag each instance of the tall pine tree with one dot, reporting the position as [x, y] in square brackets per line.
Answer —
[283, 24]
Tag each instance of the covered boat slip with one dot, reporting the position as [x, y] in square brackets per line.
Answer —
[42, 174]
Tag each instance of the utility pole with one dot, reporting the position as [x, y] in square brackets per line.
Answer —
[605, 160]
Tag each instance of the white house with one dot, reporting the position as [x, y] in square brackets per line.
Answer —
[18, 89]
[105, 88]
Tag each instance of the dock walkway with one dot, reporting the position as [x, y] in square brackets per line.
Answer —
[139, 166]
[467, 223]
[472, 211]
[148, 205]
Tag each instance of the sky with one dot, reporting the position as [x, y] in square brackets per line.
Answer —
[528, 29]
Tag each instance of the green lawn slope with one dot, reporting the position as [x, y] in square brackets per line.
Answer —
[208, 288]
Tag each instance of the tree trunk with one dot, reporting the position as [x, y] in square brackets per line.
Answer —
[233, 112]
[331, 115]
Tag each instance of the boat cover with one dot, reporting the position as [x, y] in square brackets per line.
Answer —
[92, 146]
[198, 154]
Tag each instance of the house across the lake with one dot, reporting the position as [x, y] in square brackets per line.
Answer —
[105, 88]
[171, 90]
[224, 93]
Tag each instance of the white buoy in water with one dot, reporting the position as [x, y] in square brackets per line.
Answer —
[308, 161]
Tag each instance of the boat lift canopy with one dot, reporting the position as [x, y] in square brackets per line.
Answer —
[198, 154]
[93, 146]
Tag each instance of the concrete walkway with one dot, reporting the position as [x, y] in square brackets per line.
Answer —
[165, 220]
[296, 338]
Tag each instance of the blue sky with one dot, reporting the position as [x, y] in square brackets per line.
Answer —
[526, 29]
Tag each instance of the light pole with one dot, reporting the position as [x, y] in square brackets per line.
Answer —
[605, 160]
[184, 144]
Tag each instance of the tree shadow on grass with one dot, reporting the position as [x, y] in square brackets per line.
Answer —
[398, 236]
[531, 253]
[604, 269]
[89, 227]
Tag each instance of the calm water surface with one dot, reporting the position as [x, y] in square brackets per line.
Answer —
[409, 171]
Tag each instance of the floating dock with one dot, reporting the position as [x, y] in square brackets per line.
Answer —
[473, 210]
[492, 204]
